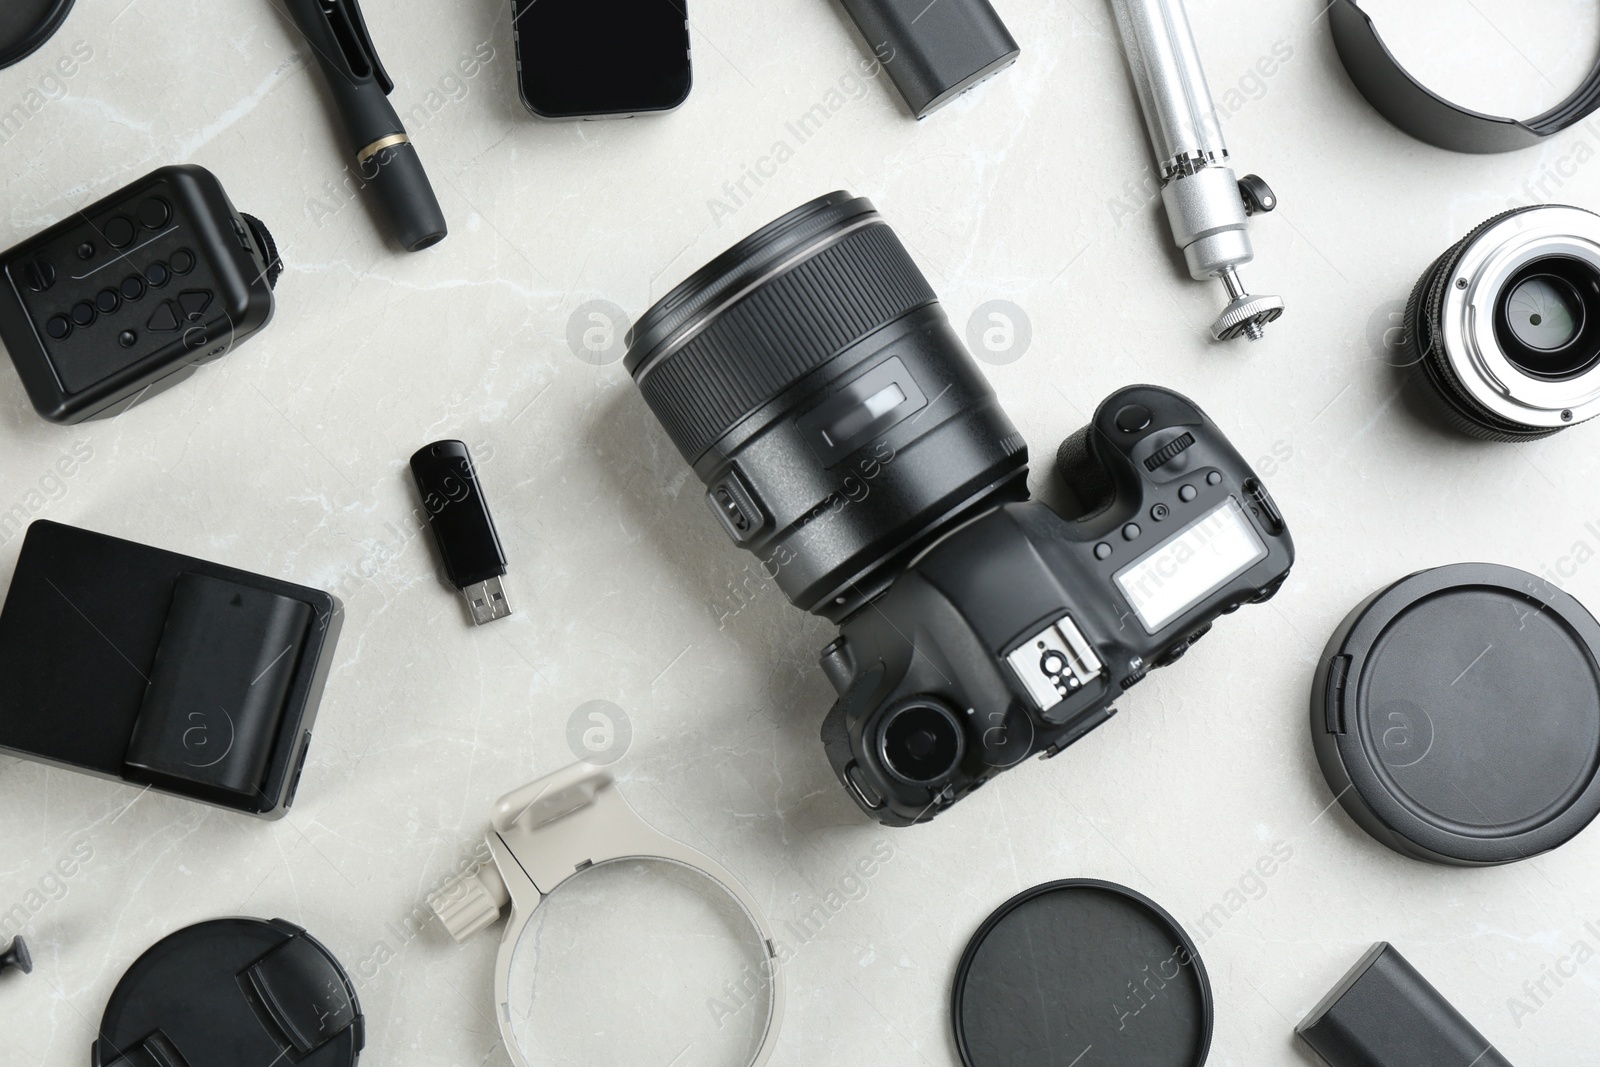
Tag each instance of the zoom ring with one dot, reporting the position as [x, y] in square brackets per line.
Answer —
[780, 332]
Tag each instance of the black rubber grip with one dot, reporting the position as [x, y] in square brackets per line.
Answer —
[781, 331]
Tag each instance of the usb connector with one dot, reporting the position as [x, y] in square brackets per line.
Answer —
[487, 601]
[459, 517]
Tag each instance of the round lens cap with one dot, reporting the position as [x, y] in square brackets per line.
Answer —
[1456, 715]
[1081, 973]
[27, 24]
[233, 991]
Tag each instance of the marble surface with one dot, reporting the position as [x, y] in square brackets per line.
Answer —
[288, 458]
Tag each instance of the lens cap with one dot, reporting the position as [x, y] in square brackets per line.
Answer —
[229, 992]
[27, 24]
[1081, 973]
[1456, 715]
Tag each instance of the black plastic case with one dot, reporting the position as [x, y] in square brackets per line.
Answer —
[146, 666]
[128, 297]
[594, 59]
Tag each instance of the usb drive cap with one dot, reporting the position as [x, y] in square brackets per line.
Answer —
[459, 516]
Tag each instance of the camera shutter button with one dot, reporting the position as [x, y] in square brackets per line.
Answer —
[1133, 418]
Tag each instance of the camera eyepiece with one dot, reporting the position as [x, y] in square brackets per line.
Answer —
[839, 425]
[922, 743]
[1505, 326]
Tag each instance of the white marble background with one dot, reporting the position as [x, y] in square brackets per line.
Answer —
[289, 458]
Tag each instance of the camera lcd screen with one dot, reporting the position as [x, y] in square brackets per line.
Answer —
[1181, 571]
[602, 57]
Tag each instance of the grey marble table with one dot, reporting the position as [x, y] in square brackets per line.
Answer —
[288, 458]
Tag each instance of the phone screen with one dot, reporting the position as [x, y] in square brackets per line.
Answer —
[602, 57]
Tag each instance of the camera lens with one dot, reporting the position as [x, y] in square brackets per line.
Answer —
[922, 743]
[1505, 326]
[810, 378]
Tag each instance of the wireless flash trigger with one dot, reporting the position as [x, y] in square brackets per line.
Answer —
[131, 295]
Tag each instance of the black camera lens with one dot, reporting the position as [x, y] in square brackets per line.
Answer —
[812, 381]
[922, 743]
[1505, 326]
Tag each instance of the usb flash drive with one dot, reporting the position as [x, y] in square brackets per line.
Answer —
[459, 515]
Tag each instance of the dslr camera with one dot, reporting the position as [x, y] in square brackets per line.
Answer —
[845, 436]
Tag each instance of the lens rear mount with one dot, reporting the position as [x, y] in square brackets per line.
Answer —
[1505, 326]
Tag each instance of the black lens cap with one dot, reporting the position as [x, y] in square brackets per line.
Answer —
[1456, 715]
[27, 24]
[230, 992]
[1081, 973]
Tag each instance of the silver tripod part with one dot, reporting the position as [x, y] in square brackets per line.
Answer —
[1207, 206]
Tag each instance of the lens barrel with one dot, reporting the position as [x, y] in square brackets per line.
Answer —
[1504, 327]
[811, 379]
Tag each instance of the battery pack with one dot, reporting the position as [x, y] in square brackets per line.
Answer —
[934, 52]
[1385, 1014]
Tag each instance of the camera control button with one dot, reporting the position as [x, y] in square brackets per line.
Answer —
[127, 338]
[1131, 532]
[1133, 418]
[83, 313]
[107, 301]
[1159, 512]
[194, 303]
[164, 319]
[183, 261]
[1102, 551]
[154, 213]
[1187, 493]
[132, 287]
[120, 232]
[58, 327]
[1214, 478]
[157, 274]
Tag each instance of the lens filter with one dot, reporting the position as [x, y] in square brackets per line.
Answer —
[1081, 973]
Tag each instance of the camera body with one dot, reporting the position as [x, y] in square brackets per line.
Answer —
[1015, 633]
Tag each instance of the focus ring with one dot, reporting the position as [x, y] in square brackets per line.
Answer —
[783, 330]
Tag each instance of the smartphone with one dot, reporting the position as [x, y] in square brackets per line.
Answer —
[592, 58]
